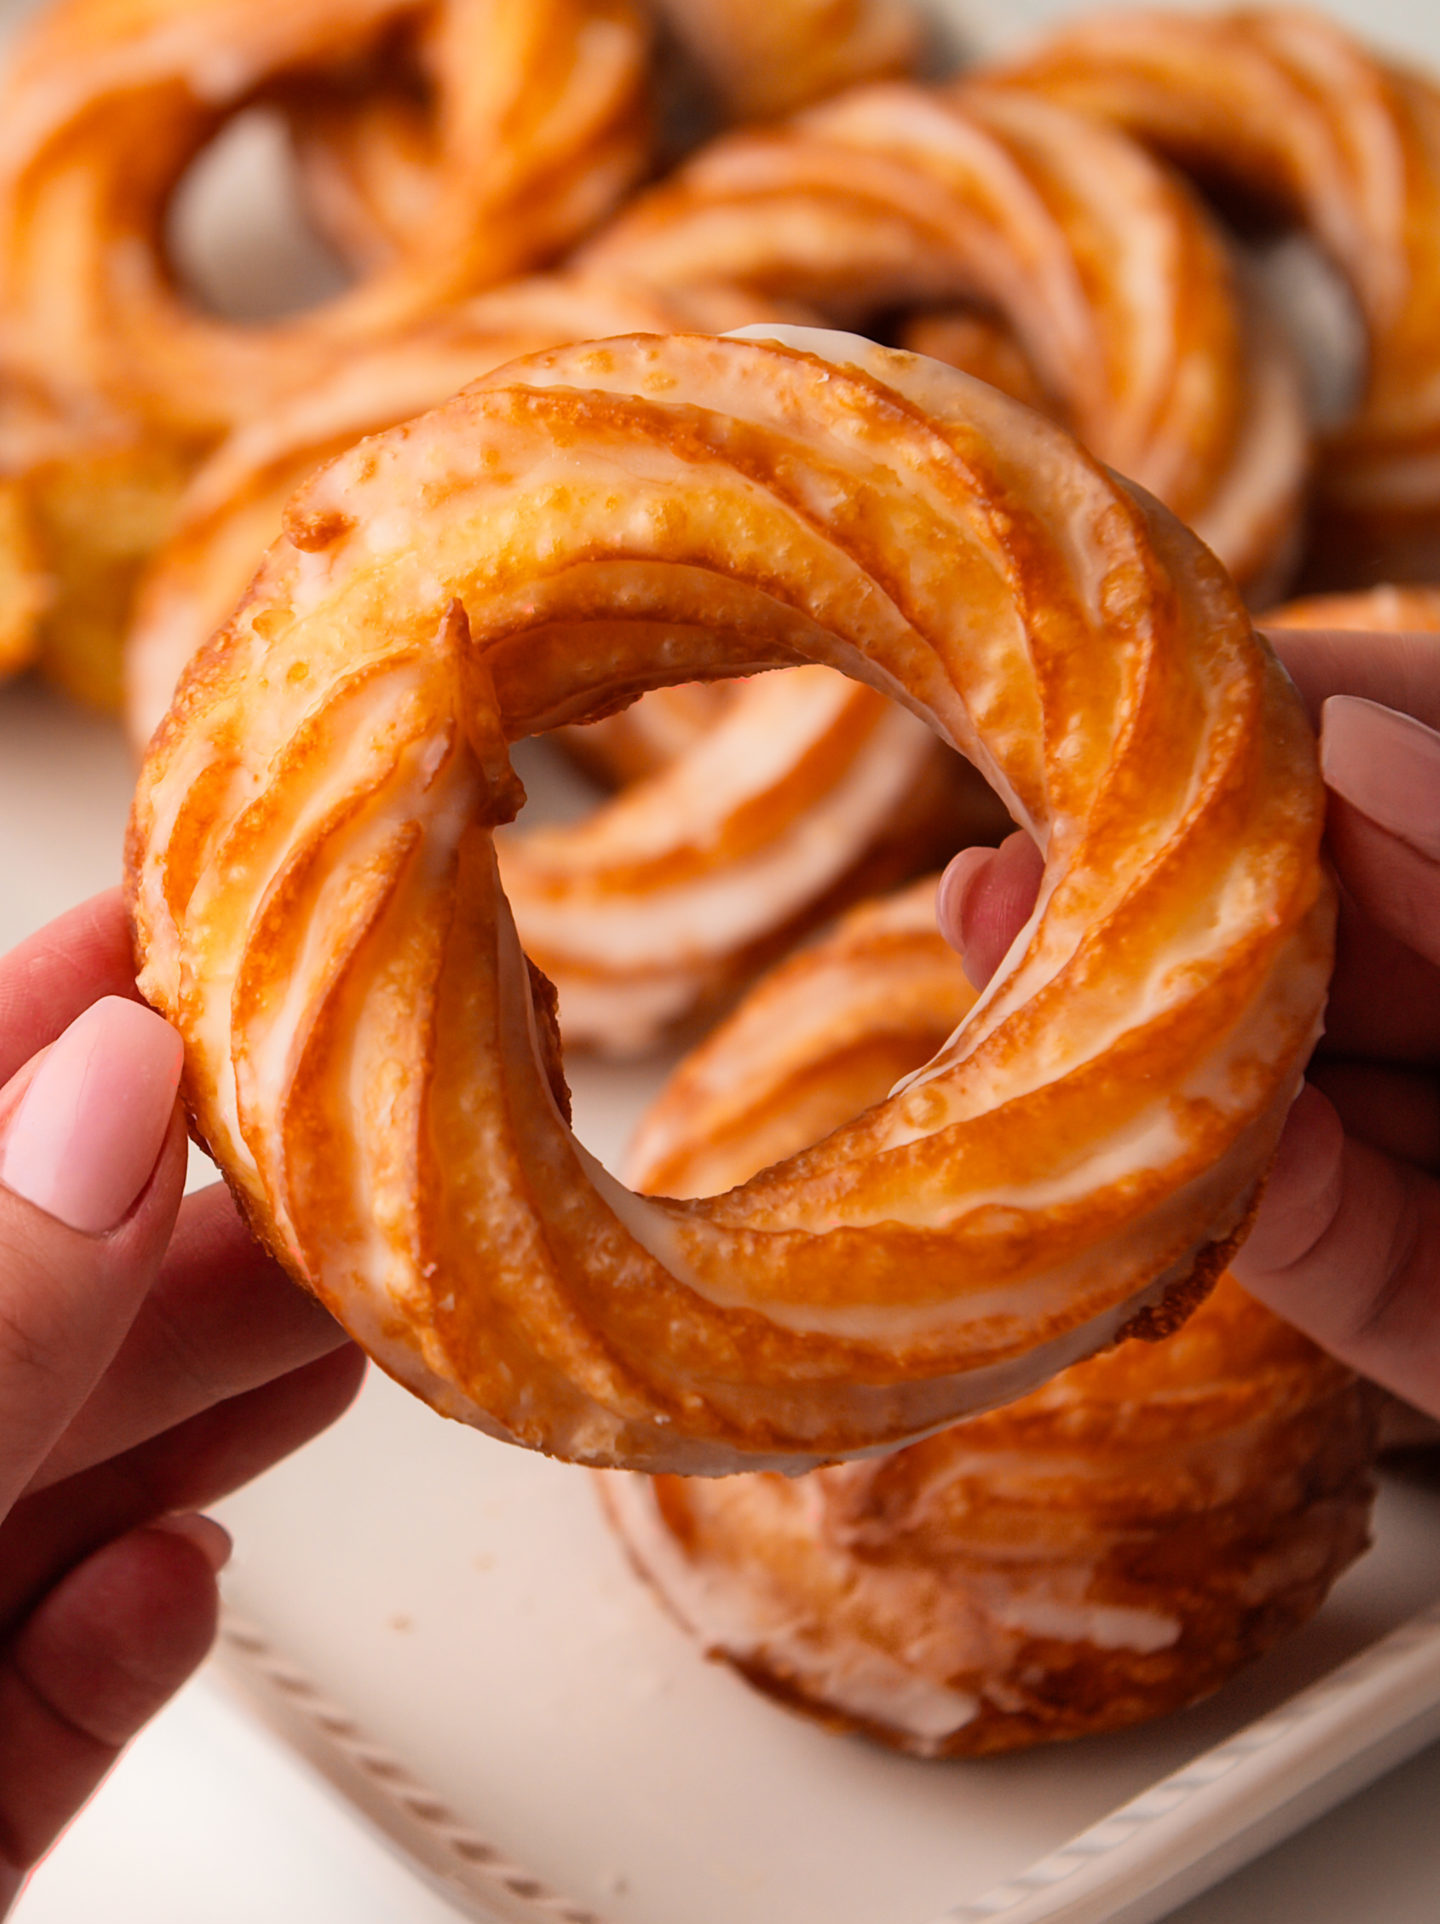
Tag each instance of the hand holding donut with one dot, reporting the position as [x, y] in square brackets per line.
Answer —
[151, 1359]
[317, 902]
[1110, 1547]
[1347, 1241]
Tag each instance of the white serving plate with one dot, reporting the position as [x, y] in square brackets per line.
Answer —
[445, 1630]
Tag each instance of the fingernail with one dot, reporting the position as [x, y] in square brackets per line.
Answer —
[1385, 764]
[212, 1541]
[89, 1130]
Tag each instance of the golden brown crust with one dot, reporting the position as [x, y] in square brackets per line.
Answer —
[371, 152]
[1009, 1583]
[1105, 1550]
[1106, 270]
[1386, 609]
[116, 97]
[312, 870]
[231, 510]
[1286, 107]
[748, 770]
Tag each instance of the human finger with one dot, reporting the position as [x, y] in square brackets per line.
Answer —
[92, 1167]
[221, 1319]
[188, 1468]
[1399, 1022]
[1401, 671]
[1346, 1246]
[101, 1654]
[57, 973]
[1394, 1109]
[1383, 772]
[986, 896]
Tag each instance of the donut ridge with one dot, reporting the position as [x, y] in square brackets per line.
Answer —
[313, 882]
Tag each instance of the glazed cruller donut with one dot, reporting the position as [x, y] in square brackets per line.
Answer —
[1108, 1548]
[316, 904]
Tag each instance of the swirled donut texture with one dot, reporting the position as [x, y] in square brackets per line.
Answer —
[1104, 1550]
[317, 904]
[795, 793]
[371, 156]
[1291, 110]
[106, 102]
[1108, 272]
[85, 494]
[232, 508]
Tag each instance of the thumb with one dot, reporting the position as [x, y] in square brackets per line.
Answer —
[92, 1165]
[1346, 1246]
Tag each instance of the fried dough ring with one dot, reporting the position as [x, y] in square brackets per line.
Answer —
[233, 507]
[370, 157]
[1388, 609]
[106, 102]
[1287, 107]
[317, 907]
[786, 798]
[770, 60]
[85, 494]
[1105, 1550]
[1109, 273]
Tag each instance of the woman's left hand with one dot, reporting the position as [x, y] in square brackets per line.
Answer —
[152, 1358]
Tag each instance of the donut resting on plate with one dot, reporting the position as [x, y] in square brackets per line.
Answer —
[1107, 1549]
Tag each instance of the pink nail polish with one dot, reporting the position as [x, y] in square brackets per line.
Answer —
[89, 1130]
[1387, 765]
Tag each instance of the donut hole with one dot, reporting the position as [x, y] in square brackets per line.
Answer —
[1320, 314]
[557, 790]
[237, 236]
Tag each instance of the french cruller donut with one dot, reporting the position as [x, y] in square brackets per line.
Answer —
[372, 150]
[1106, 270]
[1289, 110]
[106, 102]
[815, 788]
[540, 124]
[1106, 1549]
[317, 906]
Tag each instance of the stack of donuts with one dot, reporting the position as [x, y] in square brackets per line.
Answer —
[934, 1283]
